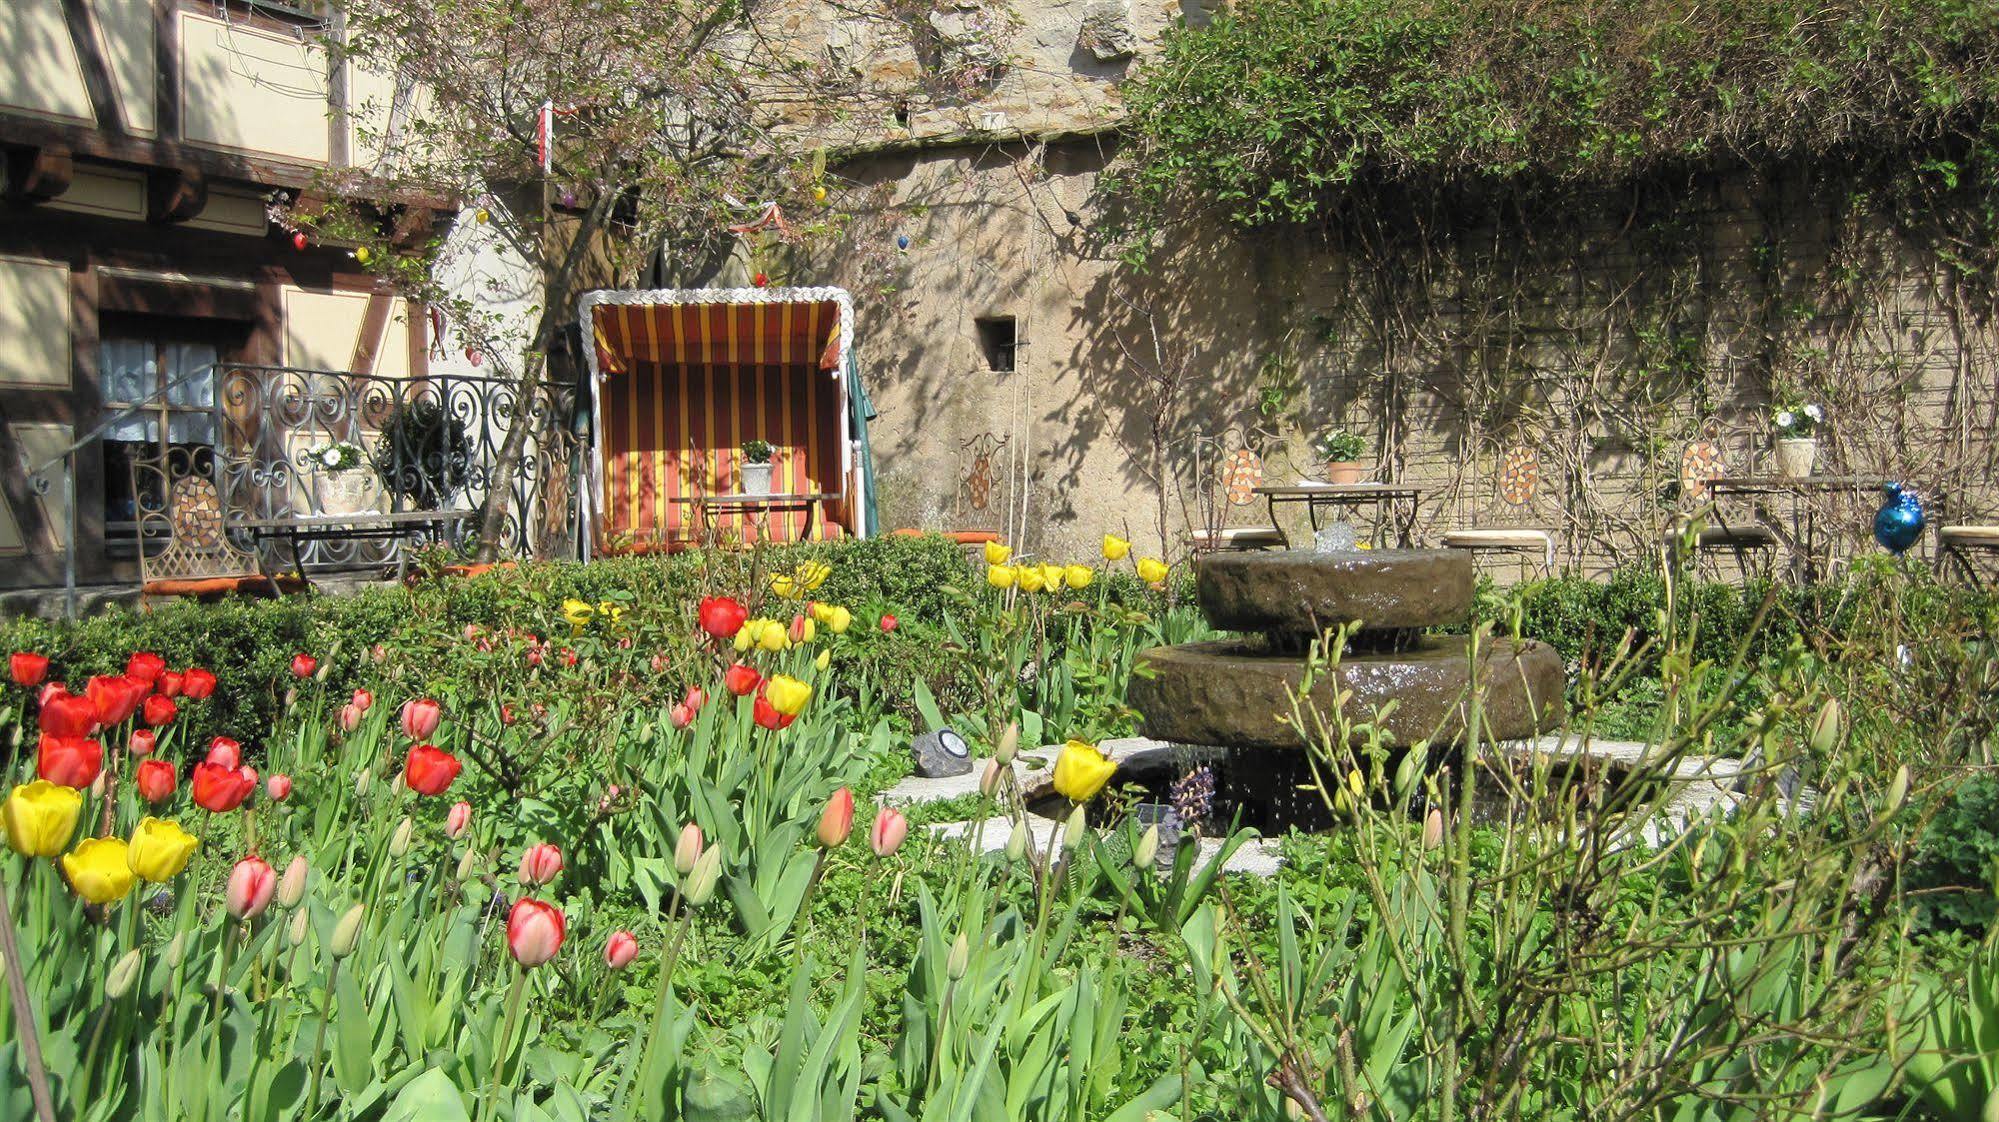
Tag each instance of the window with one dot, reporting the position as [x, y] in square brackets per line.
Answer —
[174, 383]
[998, 343]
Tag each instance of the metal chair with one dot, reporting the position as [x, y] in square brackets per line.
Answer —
[1227, 472]
[1513, 521]
[980, 480]
[184, 547]
[1702, 526]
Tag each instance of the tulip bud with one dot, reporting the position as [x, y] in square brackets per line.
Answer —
[122, 974]
[1825, 729]
[989, 780]
[960, 958]
[457, 819]
[176, 950]
[278, 787]
[540, 863]
[534, 932]
[1147, 850]
[706, 874]
[688, 850]
[361, 781]
[350, 718]
[468, 865]
[837, 820]
[1016, 842]
[399, 842]
[301, 923]
[1410, 769]
[620, 949]
[347, 932]
[1898, 790]
[890, 827]
[248, 892]
[1009, 744]
[1074, 829]
[292, 888]
[1433, 828]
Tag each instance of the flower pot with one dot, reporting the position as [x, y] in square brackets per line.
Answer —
[754, 479]
[344, 492]
[1795, 455]
[1344, 473]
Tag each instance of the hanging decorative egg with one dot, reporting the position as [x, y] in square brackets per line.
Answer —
[760, 280]
[818, 192]
[483, 215]
[1899, 523]
[473, 356]
[363, 254]
[902, 241]
[299, 241]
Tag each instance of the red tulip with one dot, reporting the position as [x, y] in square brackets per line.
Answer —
[278, 787]
[681, 716]
[837, 820]
[534, 932]
[620, 949]
[66, 714]
[350, 718]
[429, 770]
[69, 761]
[303, 665]
[457, 819]
[888, 623]
[886, 835]
[168, 683]
[159, 710]
[156, 780]
[225, 751]
[696, 698]
[363, 700]
[507, 714]
[219, 788]
[535, 655]
[473, 631]
[196, 683]
[142, 742]
[251, 885]
[767, 716]
[742, 680]
[659, 664]
[116, 697]
[540, 864]
[420, 718]
[722, 616]
[28, 668]
[568, 657]
[145, 666]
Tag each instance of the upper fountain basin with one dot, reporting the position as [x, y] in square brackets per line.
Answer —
[1301, 592]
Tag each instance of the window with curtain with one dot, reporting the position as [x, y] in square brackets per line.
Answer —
[172, 385]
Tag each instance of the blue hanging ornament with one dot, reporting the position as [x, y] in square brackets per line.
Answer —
[1899, 523]
[902, 241]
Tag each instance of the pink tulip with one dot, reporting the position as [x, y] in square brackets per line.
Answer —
[695, 699]
[534, 932]
[420, 718]
[890, 827]
[278, 787]
[143, 742]
[225, 752]
[837, 820]
[350, 718]
[688, 850]
[681, 716]
[363, 700]
[540, 864]
[251, 884]
[457, 819]
[620, 949]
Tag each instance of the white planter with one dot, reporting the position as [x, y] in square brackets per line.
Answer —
[345, 493]
[754, 479]
[1795, 456]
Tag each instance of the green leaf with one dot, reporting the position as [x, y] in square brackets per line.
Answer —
[430, 1097]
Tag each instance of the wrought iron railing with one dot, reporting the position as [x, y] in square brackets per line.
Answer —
[426, 444]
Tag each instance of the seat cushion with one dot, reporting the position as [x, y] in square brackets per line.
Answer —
[962, 537]
[1238, 537]
[1987, 536]
[1498, 539]
[247, 584]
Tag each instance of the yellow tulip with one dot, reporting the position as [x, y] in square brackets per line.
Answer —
[812, 574]
[772, 636]
[1152, 570]
[1115, 547]
[824, 660]
[160, 849]
[98, 870]
[1052, 577]
[1030, 578]
[40, 817]
[1081, 771]
[1001, 576]
[838, 620]
[1078, 577]
[577, 612]
[786, 694]
[610, 611]
[784, 586]
[819, 610]
[743, 638]
[997, 554]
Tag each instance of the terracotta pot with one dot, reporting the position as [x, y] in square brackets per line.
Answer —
[1795, 456]
[755, 479]
[1344, 473]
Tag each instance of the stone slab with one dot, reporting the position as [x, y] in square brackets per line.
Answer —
[1228, 694]
[1257, 857]
[1301, 592]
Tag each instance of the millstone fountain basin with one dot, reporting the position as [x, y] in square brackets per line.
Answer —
[1236, 694]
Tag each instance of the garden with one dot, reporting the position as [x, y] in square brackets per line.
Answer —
[616, 841]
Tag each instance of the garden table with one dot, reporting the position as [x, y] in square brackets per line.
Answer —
[1394, 504]
[1798, 526]
[758, 506]
[302, 528]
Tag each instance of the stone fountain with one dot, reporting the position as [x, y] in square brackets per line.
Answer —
[1236, 694]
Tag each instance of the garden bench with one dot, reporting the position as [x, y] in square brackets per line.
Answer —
[183, 539]
[1227, 474]
[1513, 520]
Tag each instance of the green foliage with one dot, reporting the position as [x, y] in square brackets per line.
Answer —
[1955, 858]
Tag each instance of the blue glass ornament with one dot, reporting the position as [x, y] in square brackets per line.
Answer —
[1899, 523]
[902, 241]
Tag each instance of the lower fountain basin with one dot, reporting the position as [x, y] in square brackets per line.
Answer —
[1233, 694]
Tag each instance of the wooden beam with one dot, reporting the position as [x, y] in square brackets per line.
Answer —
[88, 43]
[166, 70]
[38, 174]
[374, 328]
[175, 194]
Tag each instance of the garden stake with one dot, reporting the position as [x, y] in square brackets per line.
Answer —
[24, 1015]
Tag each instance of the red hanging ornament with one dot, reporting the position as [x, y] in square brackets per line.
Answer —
[473, 356]
[761, 280]
[299, 241]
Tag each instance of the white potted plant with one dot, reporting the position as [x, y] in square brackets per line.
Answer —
[1797, 438]
[754, 474]
[340, 476]
[1341, 449]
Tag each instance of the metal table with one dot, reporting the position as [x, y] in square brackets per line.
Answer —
[299, 529]
[710, 506]
[1802, 538]
[1394, 505]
